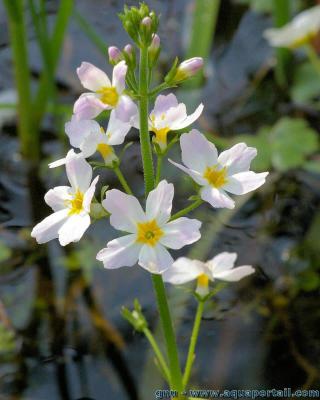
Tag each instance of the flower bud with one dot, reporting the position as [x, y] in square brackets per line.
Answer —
[188, 68]
[115, 55]
[130, 56]
[146, 22]
[154, 50]
[128, 49]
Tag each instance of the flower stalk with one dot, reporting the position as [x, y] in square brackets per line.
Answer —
[146, 153]
[193, 342]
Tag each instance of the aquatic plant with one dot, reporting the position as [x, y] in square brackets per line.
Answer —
[149, 232]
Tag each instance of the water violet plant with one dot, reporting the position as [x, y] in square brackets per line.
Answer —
[152, 229]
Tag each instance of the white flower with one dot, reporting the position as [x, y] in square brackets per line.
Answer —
[104, 95]
[71, 205]
[228, 172]
[169, 115]
[221, 267]
[150, 232]
[298, 32]
[88, 136]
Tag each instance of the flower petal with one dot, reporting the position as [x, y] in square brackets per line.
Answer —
[217, 198]
[245, 182]
[238, 158]
[180, 232]
[221, 262]
[117, 130]
[163, 103]
[89, 145]
[73, 228]
[57, 163]
[126, 110]
[125, 210]
[89, 106]
[48, 229]
[155, 259]
[87, 198]
[119, 76]
[79, 129]
[235, 274]
[189, 119]
[91, 77]
[120, 252]
[79, 172]
[56, 198]
[172, 118]
[183, 270]
[159, 202]
[197, 152]
[196, 176]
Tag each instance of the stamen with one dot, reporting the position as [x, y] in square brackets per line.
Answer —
[149, 233]
[216, 177]
[76, 203]
[109, 96]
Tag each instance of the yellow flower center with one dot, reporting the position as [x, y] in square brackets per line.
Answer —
[149, 233]
[303, 40]
[109, 95]
[203, 280]
[104, 149]
[76, 203]
[161, 136]
[216, 177]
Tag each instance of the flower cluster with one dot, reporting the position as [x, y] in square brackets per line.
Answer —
[150, 232]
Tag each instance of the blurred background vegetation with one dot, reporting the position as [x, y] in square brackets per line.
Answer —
[61, 333]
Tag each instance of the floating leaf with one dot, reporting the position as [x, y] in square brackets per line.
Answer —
[306, 83]
[291, 141]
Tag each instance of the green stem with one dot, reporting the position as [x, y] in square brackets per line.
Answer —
[122, 180]
[281, 15]
[186, 210]
[146, 151]
[193, 342]
[172, 351]
[18, 36]
[313, 57]
[159, 167]
[158, 353]
[146, 154]
[42, 95]
[158, 89]
[204, 22]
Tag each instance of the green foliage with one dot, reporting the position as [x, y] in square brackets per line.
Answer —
[292, 140]
[5, 252]
[261, 6]
[306, 84]
[7, 340]
[284, 146]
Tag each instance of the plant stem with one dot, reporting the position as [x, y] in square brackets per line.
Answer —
[146, 154]
[28, 141]
[158, 353]
[172, 351]
[122, 180]
[204, 25]
[158, 89]
[313, 57]
[159, 167]
[186, 210]
[42, 95]
[281, 15]
[193, 342]
[146, 151]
